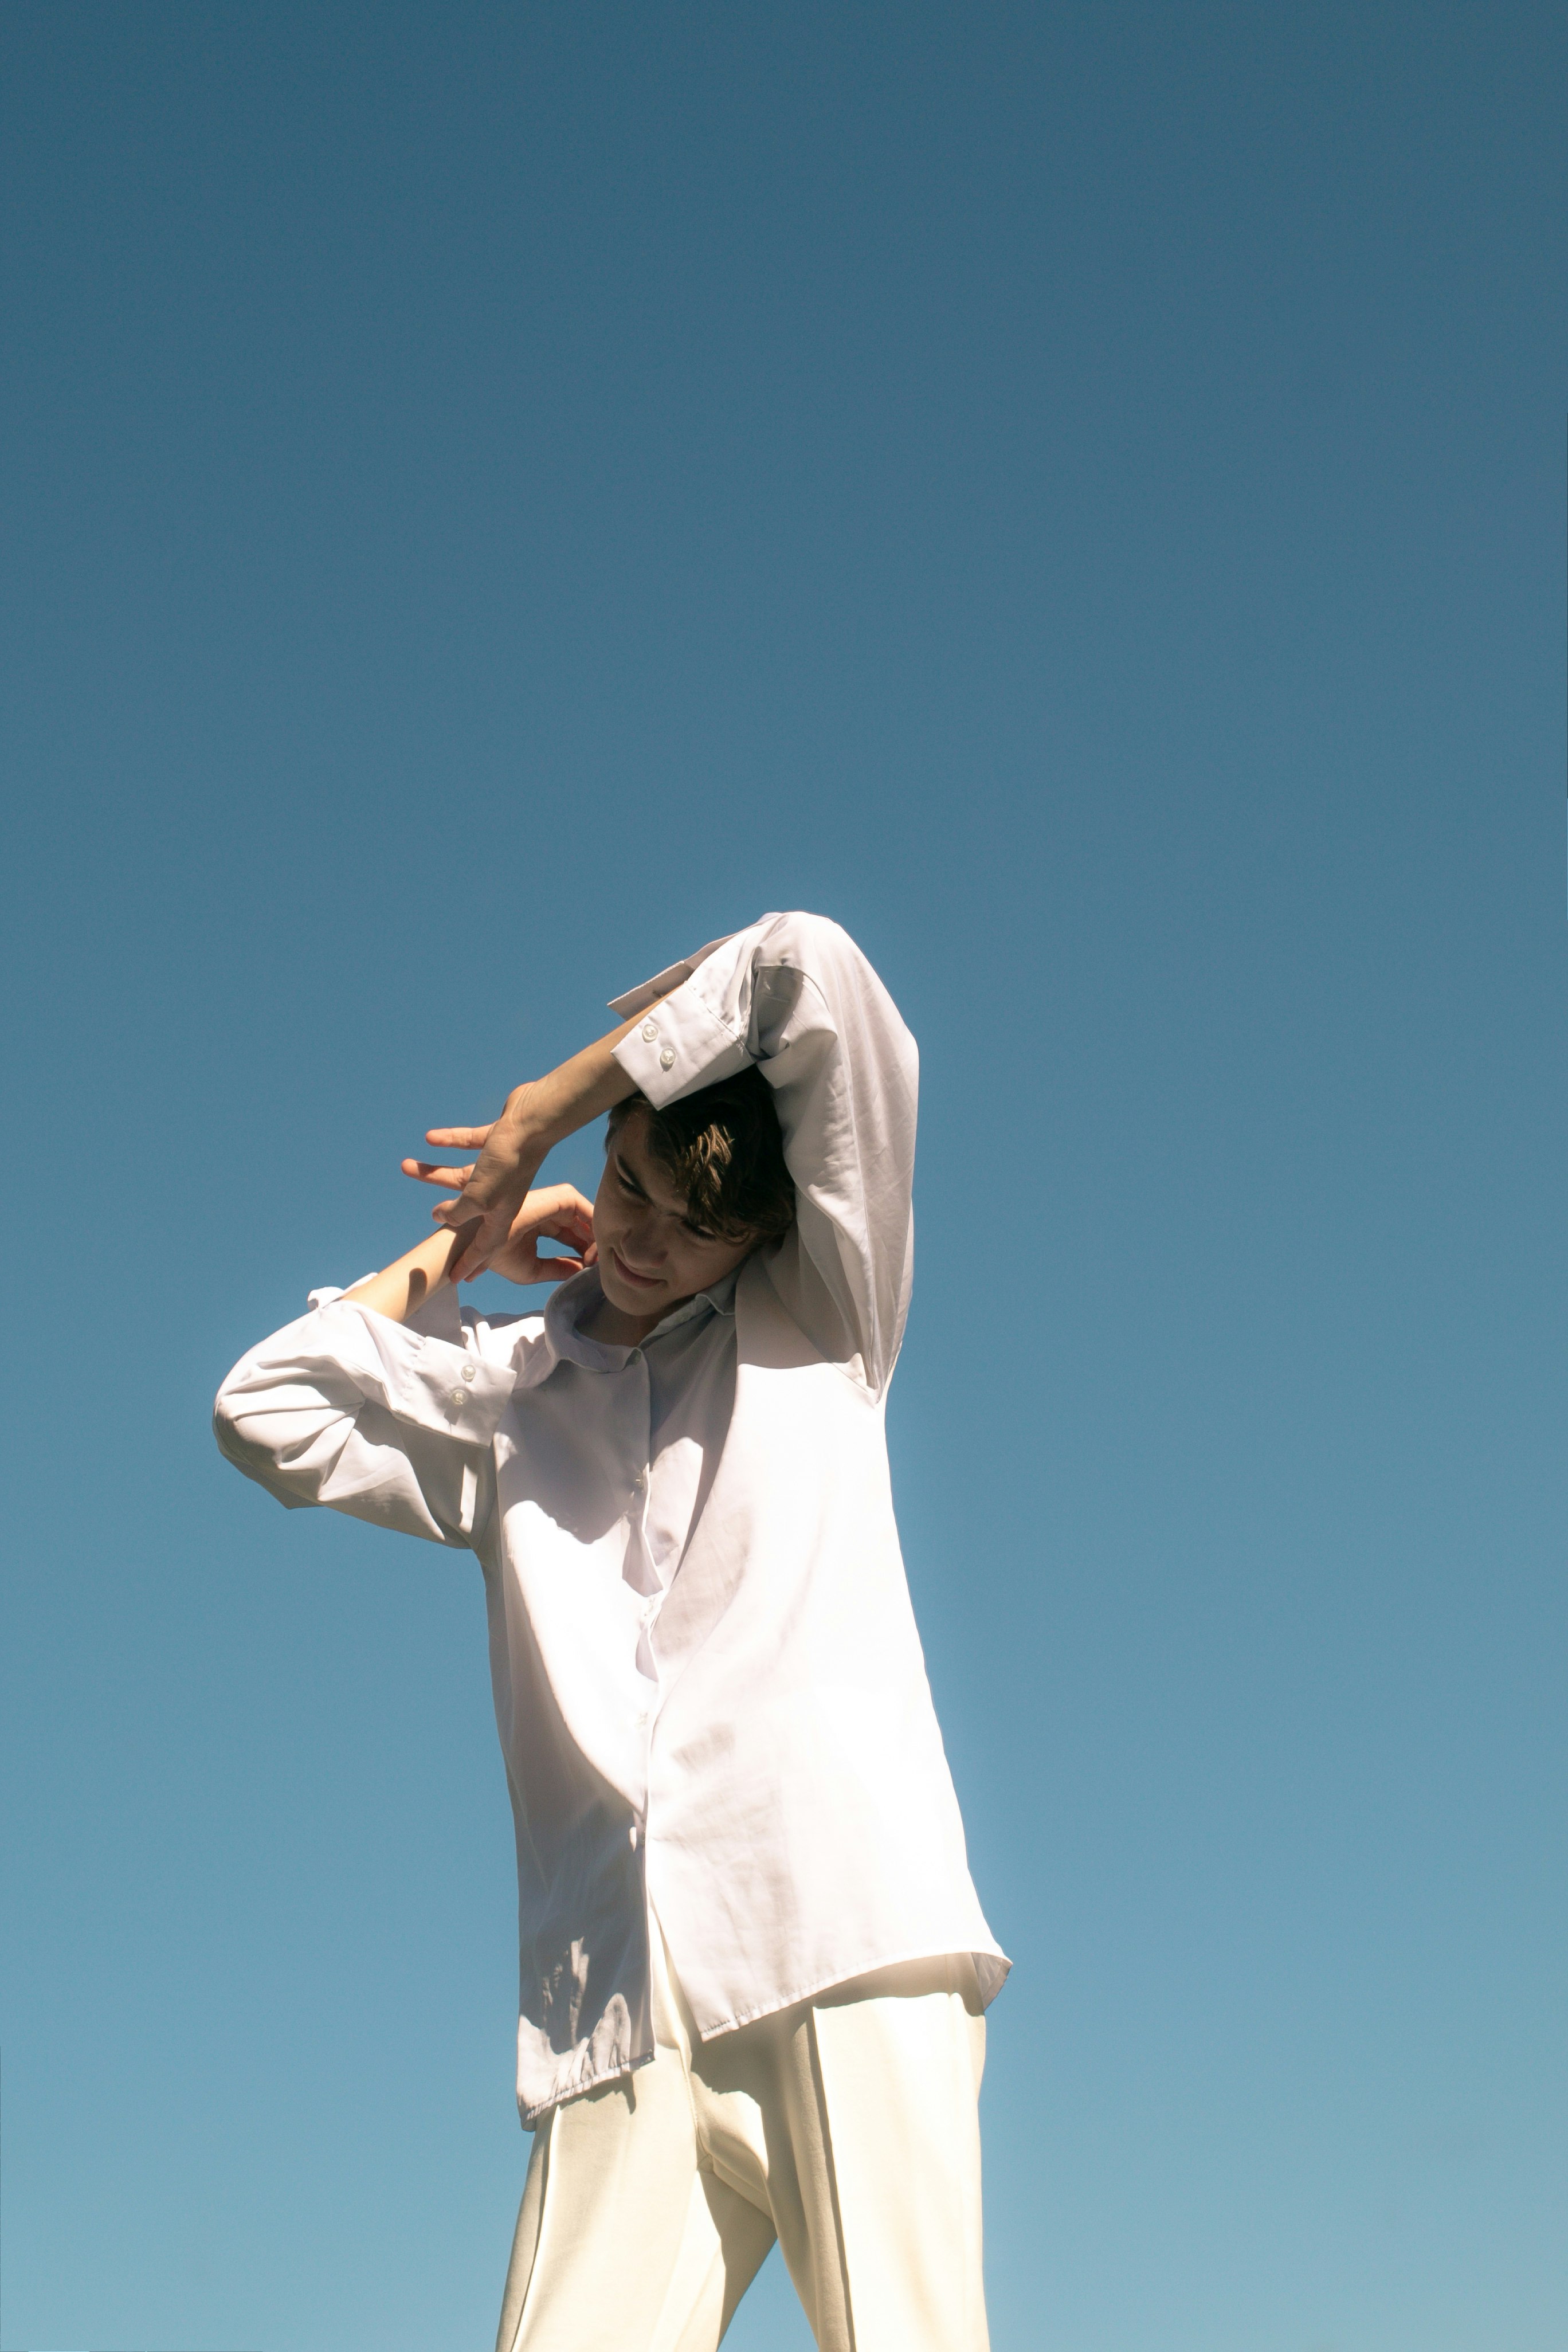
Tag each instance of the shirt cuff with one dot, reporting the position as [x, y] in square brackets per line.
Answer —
[665, 983]
[430, 1382]
[680, 1046]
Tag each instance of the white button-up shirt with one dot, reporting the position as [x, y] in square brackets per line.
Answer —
[709, 1686]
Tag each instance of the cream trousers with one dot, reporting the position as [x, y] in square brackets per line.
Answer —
[845, 2127]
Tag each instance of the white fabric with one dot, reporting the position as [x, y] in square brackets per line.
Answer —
[848, 2131]
[776, 1783]
[690, 1363]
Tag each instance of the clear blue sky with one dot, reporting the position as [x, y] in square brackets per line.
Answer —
[494, 495]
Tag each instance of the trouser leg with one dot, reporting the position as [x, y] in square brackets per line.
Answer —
[761, 2125]
[626, 2240]
[848, 2126]
[901, 2088]
[854, 2119]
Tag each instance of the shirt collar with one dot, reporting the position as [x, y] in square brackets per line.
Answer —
[571, 1303]
[719, 1298]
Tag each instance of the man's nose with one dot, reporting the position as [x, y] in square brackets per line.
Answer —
[644, 1237]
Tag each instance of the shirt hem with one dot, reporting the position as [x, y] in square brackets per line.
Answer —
[535, 2114]
[992, 1952]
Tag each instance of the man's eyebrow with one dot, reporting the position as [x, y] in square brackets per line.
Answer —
[627, 1177]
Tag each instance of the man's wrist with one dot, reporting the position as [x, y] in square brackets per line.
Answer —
[527, 1127]
[412, 1279]
[543, 1112]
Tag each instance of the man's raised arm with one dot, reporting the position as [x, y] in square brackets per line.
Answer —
[794, 995]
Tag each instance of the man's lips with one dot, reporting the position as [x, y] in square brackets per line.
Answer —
[627, 1274]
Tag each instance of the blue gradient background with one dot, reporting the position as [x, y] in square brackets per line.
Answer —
[496, 494]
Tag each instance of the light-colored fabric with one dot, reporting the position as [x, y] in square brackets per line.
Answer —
[847, 2128]
[713, 1506]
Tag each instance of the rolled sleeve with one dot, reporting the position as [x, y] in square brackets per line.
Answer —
[446, 1388]
[349, 1410]
[681, 1044]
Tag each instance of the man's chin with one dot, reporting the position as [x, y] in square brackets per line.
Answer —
[631, 1298]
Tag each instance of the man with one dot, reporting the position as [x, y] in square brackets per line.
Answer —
[754, 1967]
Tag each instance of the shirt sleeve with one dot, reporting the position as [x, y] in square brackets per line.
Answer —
[794, 995]
[388, 1422]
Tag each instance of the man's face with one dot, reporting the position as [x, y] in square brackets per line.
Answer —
[651, 1256]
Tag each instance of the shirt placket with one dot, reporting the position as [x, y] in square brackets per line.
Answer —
[645, 1581]
[649, 1588]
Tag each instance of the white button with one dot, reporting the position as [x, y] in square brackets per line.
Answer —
[650, 1032]
[467, 1371]
[634, 1837]
[640, 1718]
[667, 1059]
[460, 1396]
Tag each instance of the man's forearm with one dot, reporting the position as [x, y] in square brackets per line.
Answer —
[540, 1114]
[398, 1290]
[543, 1111]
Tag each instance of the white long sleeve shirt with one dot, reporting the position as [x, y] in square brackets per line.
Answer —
[708, 1682]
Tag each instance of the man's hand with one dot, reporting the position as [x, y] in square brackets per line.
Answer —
[556, 1213]
[492, 1190]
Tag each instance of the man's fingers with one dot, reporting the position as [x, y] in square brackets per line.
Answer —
[465, 1211]
[540, 1209]
[574, 1229]
[466, 1139]
[426, 1172]
[485, 1236]
[559, 1210]
[470, 1261]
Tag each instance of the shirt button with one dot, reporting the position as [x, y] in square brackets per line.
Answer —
[467, 1371]
[666, 1060]
[650, 1032]
[458, 1396]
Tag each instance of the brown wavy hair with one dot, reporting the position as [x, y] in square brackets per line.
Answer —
[723, 1150]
